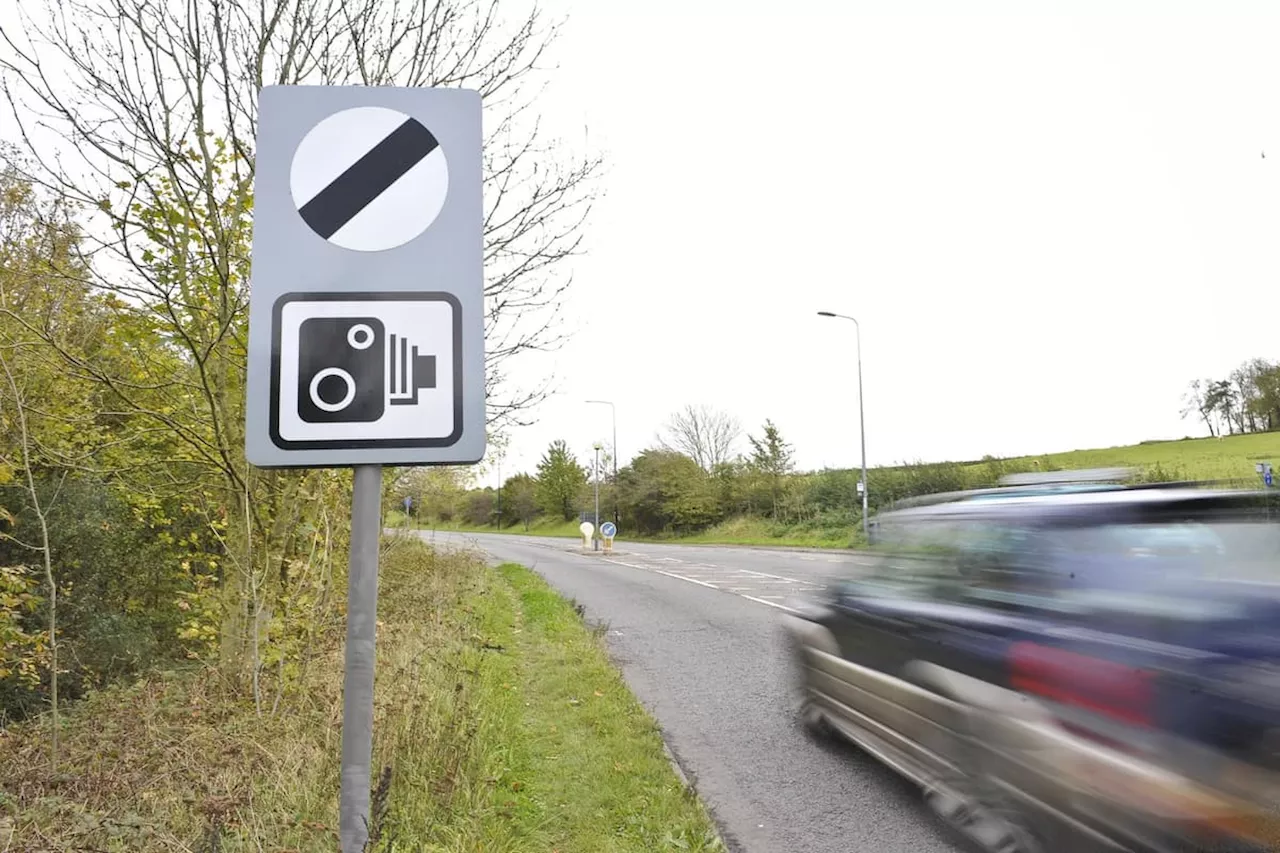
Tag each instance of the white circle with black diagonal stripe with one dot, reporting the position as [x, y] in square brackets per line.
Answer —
[369, 179]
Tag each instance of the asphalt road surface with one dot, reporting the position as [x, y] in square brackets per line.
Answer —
[697, 633]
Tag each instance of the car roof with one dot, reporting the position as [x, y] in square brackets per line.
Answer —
[1066, 504]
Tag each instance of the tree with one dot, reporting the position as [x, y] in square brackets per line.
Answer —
[521, 493]
[1248, 400]
[480, 506]
[1196, 402]
[182, 124]
[1222, 399]
[438, 492]
[702, 433]
[158, 160]
[771, 458]
[665, 490]
[1266, 404]
[560, 481]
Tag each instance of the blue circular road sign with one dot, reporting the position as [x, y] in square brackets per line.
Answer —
[608, 529]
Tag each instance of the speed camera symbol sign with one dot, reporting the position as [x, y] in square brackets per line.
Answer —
[367, 307]
[366, 370]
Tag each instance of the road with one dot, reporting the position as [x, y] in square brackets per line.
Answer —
[697, 633]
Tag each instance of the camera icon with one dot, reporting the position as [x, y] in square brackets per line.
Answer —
[365, 370]
[350, 368]
[341, 369]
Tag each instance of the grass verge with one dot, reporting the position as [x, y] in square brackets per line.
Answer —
[500, 726]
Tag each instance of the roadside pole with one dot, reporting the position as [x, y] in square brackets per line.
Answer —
[361, 654]
[597, 467]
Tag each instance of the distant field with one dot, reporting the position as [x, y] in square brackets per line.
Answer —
[1232, 457]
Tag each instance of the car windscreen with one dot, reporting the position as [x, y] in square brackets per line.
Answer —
[1175, 567]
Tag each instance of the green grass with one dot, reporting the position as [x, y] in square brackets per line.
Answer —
[747, 530]
[500, 726]
[1232, 457]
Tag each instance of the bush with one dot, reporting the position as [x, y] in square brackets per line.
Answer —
[122, 567]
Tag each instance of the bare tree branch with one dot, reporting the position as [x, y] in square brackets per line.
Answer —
[145, 95]
[705, 435]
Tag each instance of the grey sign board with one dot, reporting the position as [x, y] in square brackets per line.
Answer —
[366, 320]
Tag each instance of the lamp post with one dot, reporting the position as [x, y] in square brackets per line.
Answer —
[613, 410]
[597, 466]
[862, 429]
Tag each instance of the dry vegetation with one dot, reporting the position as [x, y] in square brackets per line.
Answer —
[501, 726]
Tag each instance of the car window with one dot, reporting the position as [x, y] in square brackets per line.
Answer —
[1178, 570]
[975, 561]
[969, 560]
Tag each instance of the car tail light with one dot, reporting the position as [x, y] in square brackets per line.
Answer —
[1121, 692]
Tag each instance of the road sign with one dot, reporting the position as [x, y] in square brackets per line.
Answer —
[608, 529]
[586, 528]
[366, 321]
[1266, 477]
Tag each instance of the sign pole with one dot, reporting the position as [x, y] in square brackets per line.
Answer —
[357, 687]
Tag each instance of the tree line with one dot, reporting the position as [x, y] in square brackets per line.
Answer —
[701, 470]
[1246, 400]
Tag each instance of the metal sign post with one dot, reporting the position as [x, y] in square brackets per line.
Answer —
[361, 653]
[360, 196]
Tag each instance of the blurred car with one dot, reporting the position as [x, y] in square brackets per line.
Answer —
[1064, 667]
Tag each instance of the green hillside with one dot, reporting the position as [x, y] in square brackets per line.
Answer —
[1231, 457]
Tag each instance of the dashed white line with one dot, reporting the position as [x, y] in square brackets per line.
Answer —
[661, 572]
[770, 603]
[739, 591]
[766, 575]
[690, 580]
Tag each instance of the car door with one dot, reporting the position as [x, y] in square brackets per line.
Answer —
[878, 624]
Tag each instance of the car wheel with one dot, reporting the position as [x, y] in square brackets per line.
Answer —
[986, 823]
[969, 802]
[814, 719]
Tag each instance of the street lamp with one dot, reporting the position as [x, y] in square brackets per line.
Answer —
[614, 414]
[597, 467]
[862, 429]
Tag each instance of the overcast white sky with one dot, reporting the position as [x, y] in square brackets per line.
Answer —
[1047, 223]
[1048, 217]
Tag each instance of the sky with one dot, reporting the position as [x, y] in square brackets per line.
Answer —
[1048, 218]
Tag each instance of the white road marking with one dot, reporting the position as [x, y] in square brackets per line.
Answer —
[765, 575]
[740, 591]
[770, 603]
[661, 572]
[690, 580]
